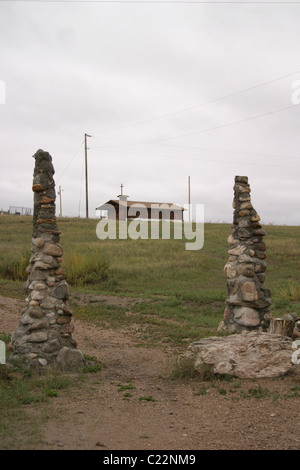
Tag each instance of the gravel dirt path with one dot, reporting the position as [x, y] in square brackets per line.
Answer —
[134, 404]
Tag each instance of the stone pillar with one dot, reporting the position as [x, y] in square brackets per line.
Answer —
[248, 302]
[43, 337]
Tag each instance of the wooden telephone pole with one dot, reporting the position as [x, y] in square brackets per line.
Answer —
[60, 208]
[86, 176]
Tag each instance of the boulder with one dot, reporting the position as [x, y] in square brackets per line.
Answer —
[247, 355]
[246, 316]
[70, 359]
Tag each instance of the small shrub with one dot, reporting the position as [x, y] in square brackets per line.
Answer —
[4, 374]
[82, 269]
[293, 393]
[286, 294]
[236, 385]
[125, 387]
[15, 268]
[147, 398]
[256, 392]
[201, 391]
[225, 377]
[4, 337]
[185, 370]
[51, 393]
[92, 365]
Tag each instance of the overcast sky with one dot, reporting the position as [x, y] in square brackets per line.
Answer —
[166, 91]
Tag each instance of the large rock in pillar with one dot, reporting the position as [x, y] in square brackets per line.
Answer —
[43, 337]
[248, 302]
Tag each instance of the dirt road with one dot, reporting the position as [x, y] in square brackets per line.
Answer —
[133, 403]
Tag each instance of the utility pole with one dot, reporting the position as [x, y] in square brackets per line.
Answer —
[86, 176]
[59, 193]
[189, 190]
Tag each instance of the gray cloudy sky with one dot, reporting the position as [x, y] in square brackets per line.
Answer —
[166, 90]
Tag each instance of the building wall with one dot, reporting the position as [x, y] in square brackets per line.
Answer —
[119, 212]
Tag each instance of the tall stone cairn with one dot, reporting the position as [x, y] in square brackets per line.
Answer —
[248, 302]
[43, 337]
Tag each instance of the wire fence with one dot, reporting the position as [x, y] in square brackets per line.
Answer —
[20, 210]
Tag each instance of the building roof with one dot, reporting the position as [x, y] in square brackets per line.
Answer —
[148, 205]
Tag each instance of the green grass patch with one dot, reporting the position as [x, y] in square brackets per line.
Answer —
[183, 291]
[202, 391]
[185, 370]
[155, 321]
[256, 392]
[83, 268]
[21, 387]
[293, 392]
[148, 267]
[92, 365]
[146, 398]
[20, 429]
[121, 388]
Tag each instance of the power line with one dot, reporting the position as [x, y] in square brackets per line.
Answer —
[215, 100]
[240, 152]
[72, 158]
[257, 116]
[206, 159]
[221, 126]
[205, 149]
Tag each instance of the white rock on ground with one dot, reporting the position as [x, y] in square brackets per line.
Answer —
[248, 355]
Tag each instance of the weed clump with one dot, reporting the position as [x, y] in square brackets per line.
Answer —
[14, 267]
[185, 369]
[83, 269]
[147, 398]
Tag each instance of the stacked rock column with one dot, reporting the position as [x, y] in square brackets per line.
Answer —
[248, 302]
[44, 334]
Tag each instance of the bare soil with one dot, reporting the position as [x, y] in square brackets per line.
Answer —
[133, 403]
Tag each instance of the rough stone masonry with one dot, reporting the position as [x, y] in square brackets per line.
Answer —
[248, 302]
[43, 337]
